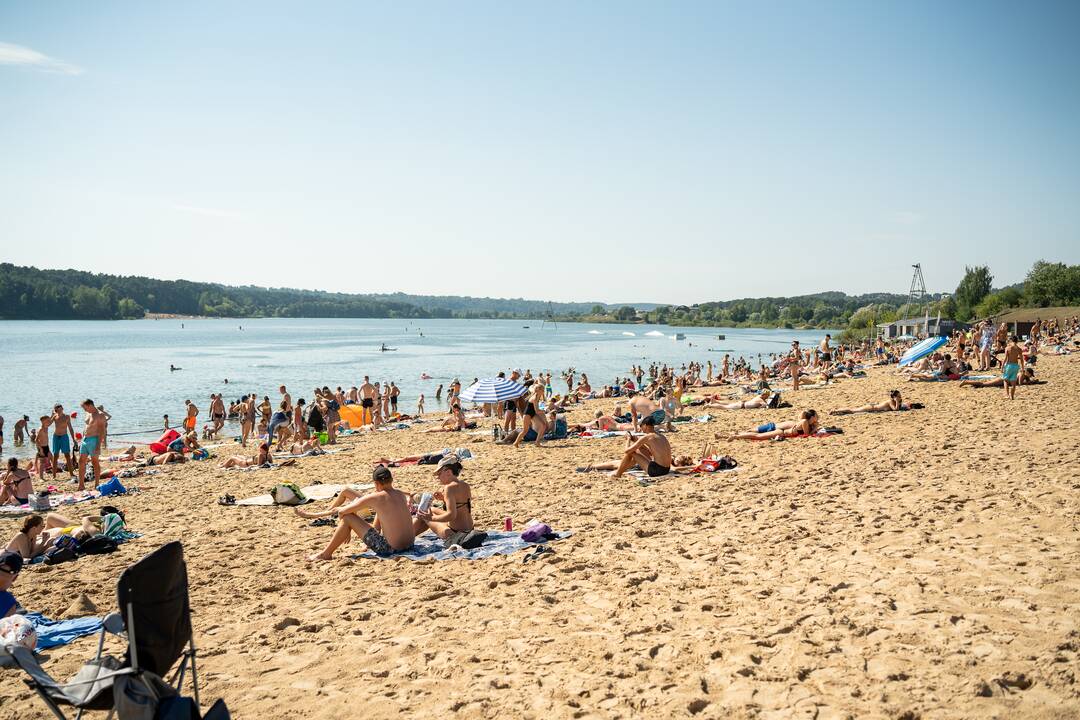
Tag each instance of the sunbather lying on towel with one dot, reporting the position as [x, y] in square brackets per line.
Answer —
[263, 459]
[311, 445]
[893, 404]
[805, 426]
[765, 399]
[164, 459]
[1026, 377]
[392, 529]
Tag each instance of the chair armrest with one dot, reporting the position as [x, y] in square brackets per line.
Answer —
[113, 623]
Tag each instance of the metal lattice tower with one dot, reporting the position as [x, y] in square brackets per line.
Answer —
[918, 286]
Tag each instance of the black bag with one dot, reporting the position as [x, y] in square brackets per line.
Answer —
[97, 545]
[62, 554]
[466, 540]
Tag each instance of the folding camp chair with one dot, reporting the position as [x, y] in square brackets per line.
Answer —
[155, 618]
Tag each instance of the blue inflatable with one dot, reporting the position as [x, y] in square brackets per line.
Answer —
[922, 349]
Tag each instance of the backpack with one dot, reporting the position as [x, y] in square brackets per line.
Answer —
[97, 545]
[287, 494]
[62, 551]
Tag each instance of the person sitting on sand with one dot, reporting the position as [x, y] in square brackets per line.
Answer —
[679, 463]
[651, 453]
[392, 529]
[16, 484]
[641, 407]
[533, 426]
[311, 445]
[805, 426]
[454, 423]
[946, 370]
[31, 540]
[456, 520]
[893, 404]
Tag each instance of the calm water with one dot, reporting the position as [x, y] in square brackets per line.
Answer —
[125, 365]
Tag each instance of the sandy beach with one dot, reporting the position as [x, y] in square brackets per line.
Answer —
[921, 565]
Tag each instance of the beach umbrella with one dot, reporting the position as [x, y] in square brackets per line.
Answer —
[922, 349]
[491, 390]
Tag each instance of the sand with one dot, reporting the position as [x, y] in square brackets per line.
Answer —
[921, 565]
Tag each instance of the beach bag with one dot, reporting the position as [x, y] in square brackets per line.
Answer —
[465, 540]
[63, 551]
[40, 501]
[17, 630]
[538, 532]
[99, 544]
[287, 494]
[113, 487]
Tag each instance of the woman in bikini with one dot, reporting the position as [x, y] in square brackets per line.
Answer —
[894, 403]
[31, 540]
[263, 458]
[761, 400]
[805, 426]
[456, 519]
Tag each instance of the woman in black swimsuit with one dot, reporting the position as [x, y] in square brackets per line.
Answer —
[454, 524]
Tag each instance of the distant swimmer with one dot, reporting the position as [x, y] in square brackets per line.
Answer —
[425, 376]
[226, 381]
[181, 326]
[173, 368]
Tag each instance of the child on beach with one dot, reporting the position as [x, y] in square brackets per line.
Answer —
[1011, 367]
[420, 405]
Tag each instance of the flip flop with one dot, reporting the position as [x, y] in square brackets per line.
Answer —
[537, 552]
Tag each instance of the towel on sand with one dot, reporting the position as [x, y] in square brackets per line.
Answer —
[430, 547]
[56, 501]
[311, 492]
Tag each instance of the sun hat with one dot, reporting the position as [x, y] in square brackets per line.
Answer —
[450, 459]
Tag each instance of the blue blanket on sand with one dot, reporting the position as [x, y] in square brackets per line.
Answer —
[430, 547]
[53, 633]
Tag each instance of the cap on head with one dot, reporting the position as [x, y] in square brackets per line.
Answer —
[11, 561]
[382, 474]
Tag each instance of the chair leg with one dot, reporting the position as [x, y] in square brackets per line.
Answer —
[49, 701]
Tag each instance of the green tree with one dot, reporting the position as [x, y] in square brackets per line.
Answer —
[1052, 284]
[598, 310]
[972, 289]
[625, 313]
[90, 303]
[128, 308]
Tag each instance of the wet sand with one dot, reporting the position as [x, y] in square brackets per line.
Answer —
[921, 565]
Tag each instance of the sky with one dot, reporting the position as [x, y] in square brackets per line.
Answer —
[603, 151]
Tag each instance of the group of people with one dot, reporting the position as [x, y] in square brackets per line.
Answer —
[59, 447]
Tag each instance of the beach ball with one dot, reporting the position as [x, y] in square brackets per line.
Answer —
[17, 630]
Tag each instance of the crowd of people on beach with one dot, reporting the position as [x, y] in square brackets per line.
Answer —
[649, 401]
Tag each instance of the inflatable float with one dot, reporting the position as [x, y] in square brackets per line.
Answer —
[922, 349]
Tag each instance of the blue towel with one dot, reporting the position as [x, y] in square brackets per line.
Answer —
[430, 546]
[53, 633]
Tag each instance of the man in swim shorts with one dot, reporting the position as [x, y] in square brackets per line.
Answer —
[63, 435]
[192, 418]
[651, 453]
[1010, 370]
[91, 443]
[367, 401]
[392, 529]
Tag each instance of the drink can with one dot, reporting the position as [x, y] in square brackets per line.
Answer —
[425, 502]
[508, 524]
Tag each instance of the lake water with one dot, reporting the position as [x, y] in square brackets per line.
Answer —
[124, 365]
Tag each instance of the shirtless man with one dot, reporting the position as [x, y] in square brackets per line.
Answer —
[91, 443]
[21, 430]
[651, 453]
[217, 412]
[367, 402]
[287, 399]
[395, 391]
[826, 351]
[192, 418]
[641, 407]
[63, 437]
[1011, 367]
[392, 529]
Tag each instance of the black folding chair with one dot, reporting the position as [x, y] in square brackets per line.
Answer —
[155, 618]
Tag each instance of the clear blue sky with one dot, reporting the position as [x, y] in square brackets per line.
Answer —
[623, 151]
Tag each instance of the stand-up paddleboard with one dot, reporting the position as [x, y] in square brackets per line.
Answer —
[922, 349]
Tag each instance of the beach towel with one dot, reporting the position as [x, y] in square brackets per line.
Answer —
[54, 500]
[54, 633]
[311, 493]
[429, 547]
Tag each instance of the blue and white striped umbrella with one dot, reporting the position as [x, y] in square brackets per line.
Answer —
[489, 390]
